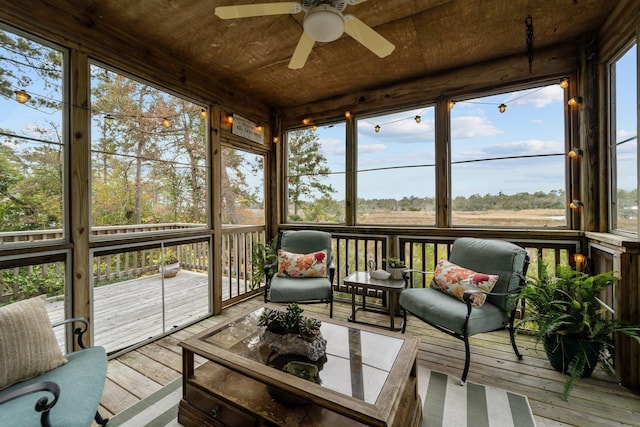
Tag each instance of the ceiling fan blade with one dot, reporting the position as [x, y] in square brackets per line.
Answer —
[369, 38]
[303, 49]
[258, 9]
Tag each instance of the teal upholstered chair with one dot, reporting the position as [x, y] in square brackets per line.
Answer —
[302, 289]
[459, 319]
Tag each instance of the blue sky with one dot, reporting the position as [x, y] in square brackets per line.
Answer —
[532, 125]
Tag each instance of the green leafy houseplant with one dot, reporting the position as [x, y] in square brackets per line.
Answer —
[393, 262]
[571, 322]
[396, 267]
[263, 260]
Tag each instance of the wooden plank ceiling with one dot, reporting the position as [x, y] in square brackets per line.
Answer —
[251, 55]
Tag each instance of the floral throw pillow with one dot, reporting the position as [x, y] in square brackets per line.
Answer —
[454, 280]
[302, 265]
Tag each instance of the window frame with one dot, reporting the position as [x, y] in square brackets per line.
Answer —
[66, 152]
[612, 190]
[93, 237]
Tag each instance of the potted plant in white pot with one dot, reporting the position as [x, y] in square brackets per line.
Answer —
[171, 265]
[396, 267]
[571, 322]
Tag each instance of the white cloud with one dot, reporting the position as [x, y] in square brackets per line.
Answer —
[332, 146]
[370, 148]
[472, 127]
[536, 97]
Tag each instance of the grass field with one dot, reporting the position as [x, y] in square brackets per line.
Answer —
[499, 218]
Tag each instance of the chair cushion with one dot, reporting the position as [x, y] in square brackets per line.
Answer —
[287, 289]
[81, 383]
[305, 241]
[28, 345]
[499, 257]
[302, 265]
[438, 308]
[452, 279]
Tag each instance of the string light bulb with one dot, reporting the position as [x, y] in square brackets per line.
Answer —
[22, 96]
[575, 204]
[451, 104]
[347, 114]
[166, 122]
[229, 118]
[377, 128]
[576, 152]
[418, 119]
[259, 129]
[108, 119]
[576, 100]
[203, 113]
[502, 108]
[564, 83]
[275, 139]
[578, 258]
[306, 121]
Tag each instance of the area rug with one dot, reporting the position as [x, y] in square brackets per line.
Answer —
[445, 404]
[158, 410]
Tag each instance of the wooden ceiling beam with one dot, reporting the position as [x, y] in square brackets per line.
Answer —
[548, 63]
[76, 28]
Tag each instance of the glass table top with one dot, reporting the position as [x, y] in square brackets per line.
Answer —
[357, 362]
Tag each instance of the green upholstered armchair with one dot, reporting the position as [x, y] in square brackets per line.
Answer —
[461, 319]
[286, 288]
[52, 391]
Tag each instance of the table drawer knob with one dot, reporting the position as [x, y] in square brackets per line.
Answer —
[215, 412]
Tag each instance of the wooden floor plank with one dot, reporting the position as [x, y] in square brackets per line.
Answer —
[597, 401]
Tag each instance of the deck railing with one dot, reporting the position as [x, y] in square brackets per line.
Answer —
[352, 252]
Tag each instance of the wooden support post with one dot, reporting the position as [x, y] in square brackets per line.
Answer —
[78, 200]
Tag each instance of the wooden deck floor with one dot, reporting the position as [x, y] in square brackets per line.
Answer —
[132, 311]
[596, 401]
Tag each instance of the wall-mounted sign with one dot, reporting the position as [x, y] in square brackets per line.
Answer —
[247, 129]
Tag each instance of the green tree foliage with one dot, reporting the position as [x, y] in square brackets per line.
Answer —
[308, 170]
[145, 172]
[539, 200]
[31, 166]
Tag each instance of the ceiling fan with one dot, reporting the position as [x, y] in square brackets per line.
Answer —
[323, 22]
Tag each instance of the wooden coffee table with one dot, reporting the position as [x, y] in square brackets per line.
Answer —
[369, 378]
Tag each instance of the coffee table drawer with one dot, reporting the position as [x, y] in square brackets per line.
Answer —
[218, 410]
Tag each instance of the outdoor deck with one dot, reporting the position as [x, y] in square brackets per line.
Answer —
[595, 401]
[131, 311]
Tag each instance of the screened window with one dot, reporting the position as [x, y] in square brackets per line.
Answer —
[242, 187]
[32, 139]
[396, 168]
[624, 149]
[316, 174]
[148, 157]
[508, 168]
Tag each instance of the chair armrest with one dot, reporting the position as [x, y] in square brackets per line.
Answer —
[43, 404]
[79, 331]
[466, 296]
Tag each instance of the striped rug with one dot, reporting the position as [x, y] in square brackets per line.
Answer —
[445, 404]
[448, 404]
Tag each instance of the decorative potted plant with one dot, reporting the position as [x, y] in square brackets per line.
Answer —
[171, 265]
[571, 322]
[263, 258]
[290, 332]
[396, 267]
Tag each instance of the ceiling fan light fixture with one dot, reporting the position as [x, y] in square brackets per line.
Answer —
[324, 23]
